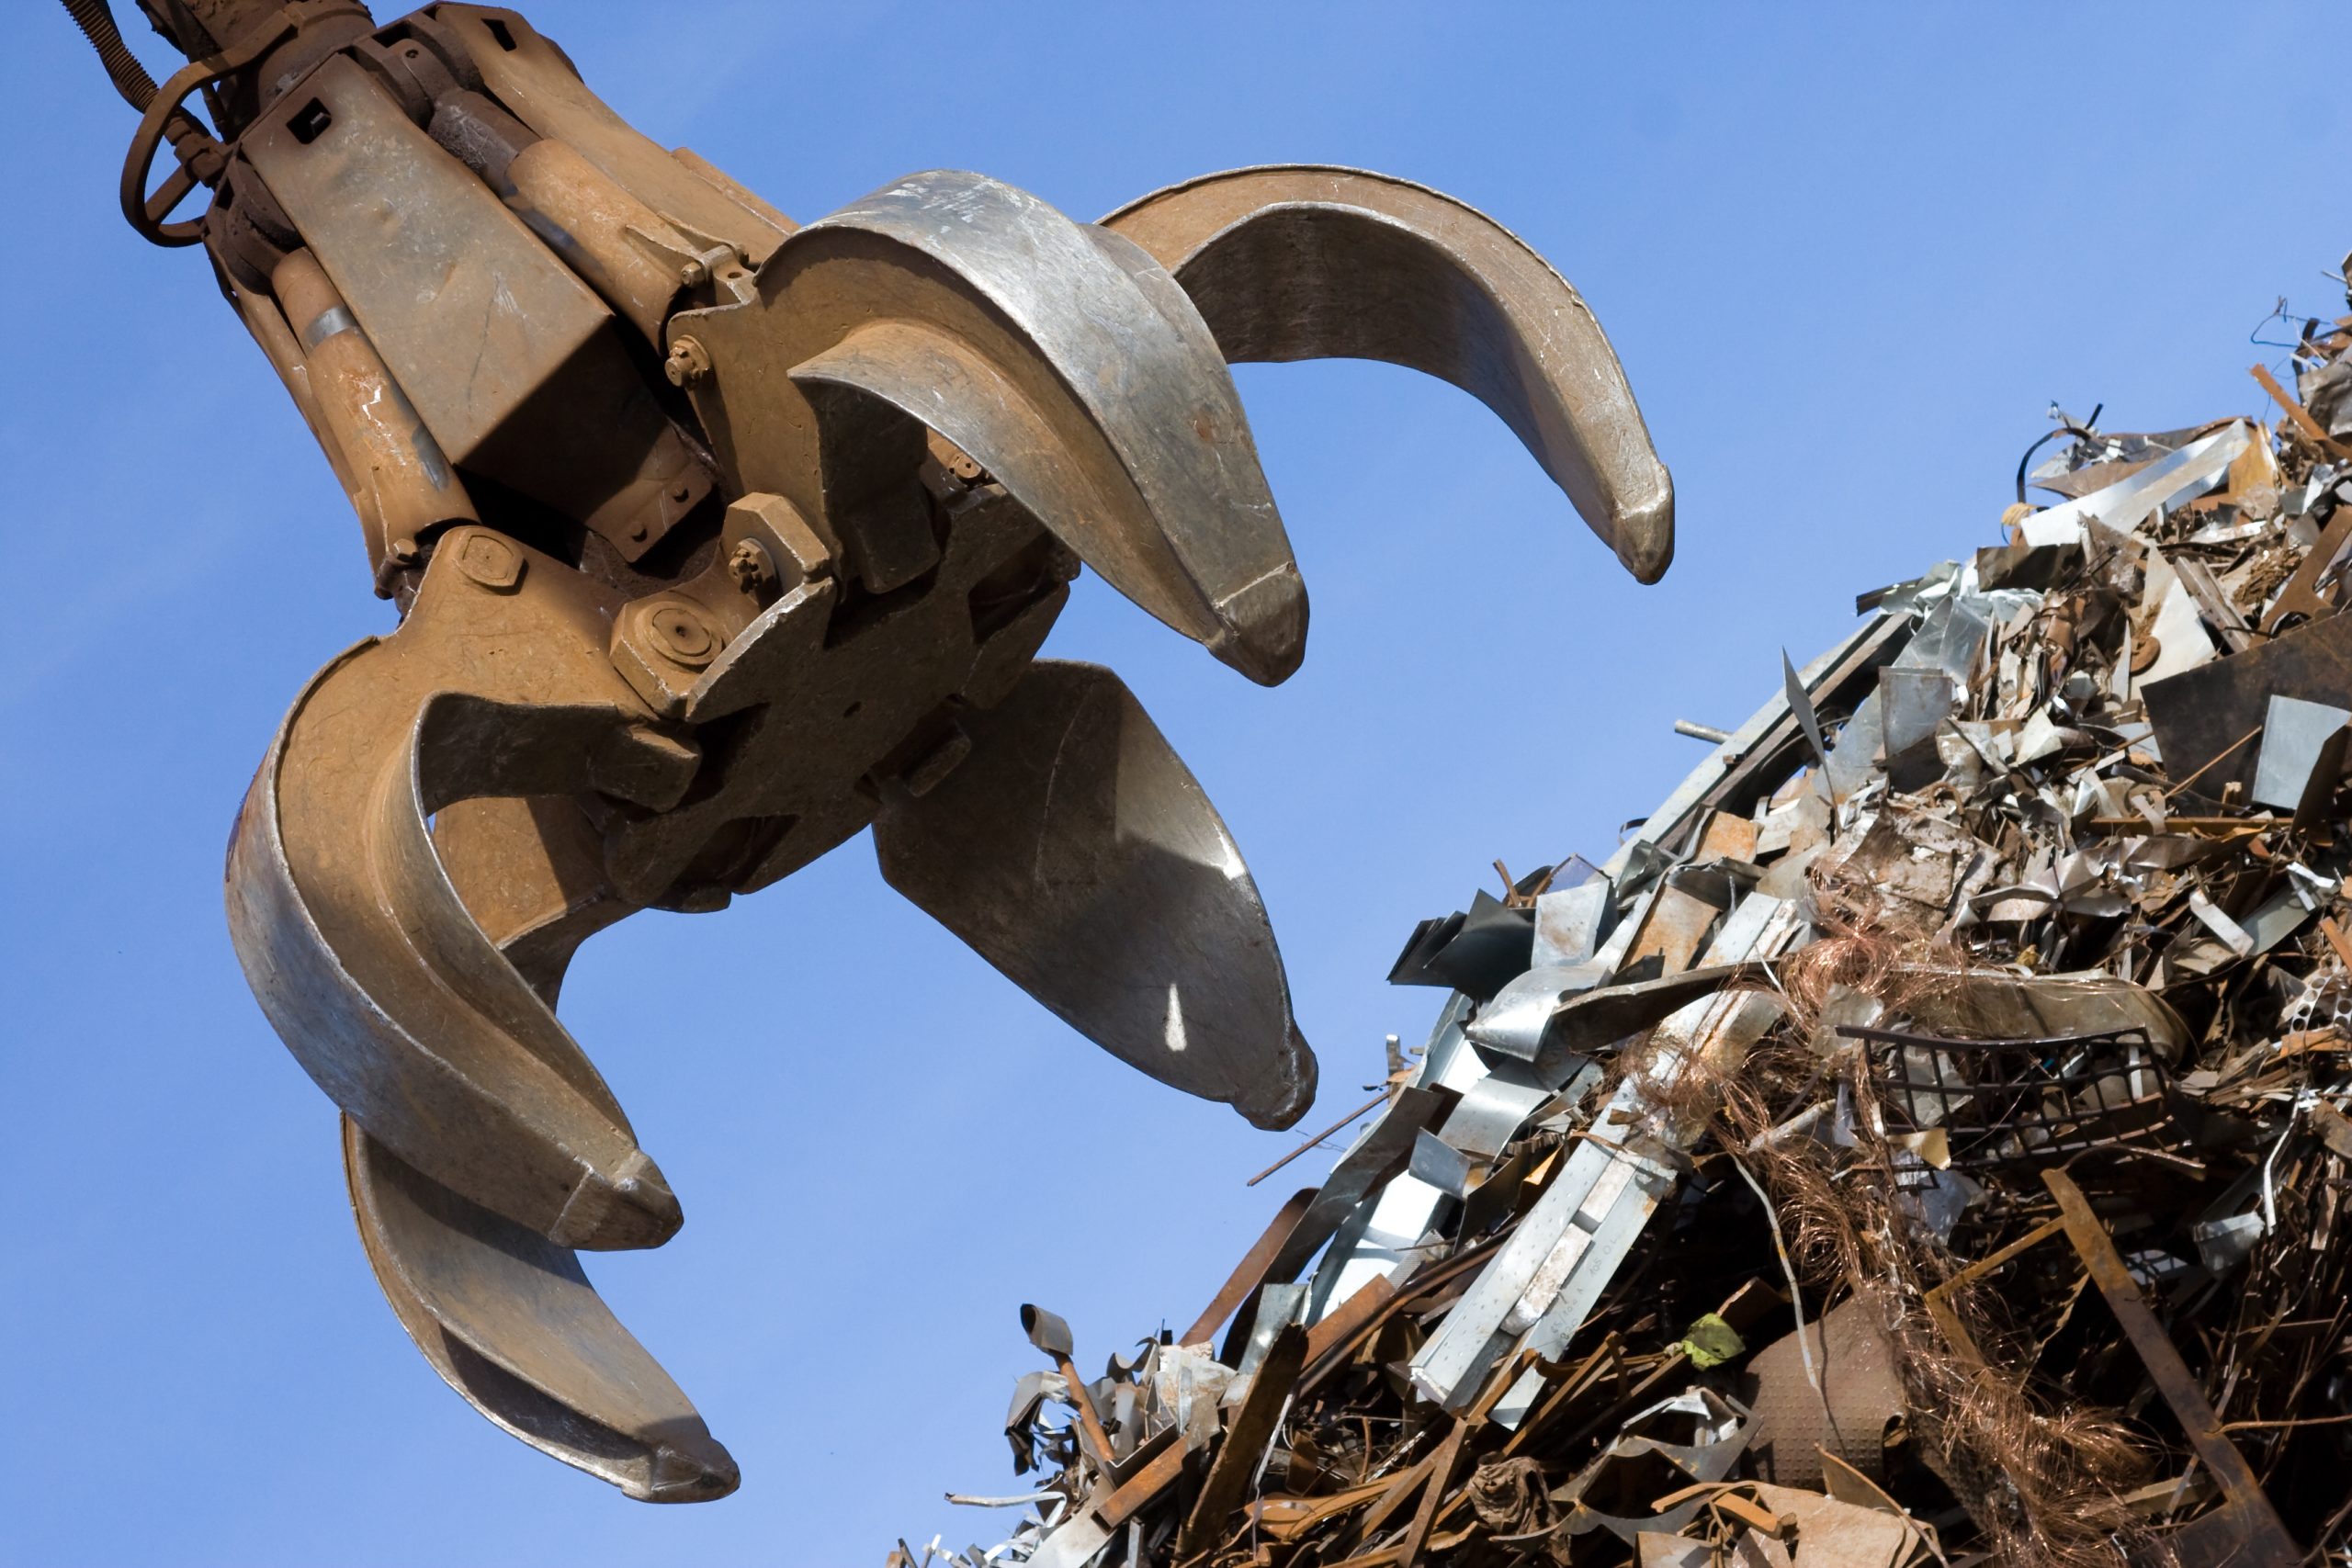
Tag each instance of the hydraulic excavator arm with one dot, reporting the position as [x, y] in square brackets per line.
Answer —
[717, 540]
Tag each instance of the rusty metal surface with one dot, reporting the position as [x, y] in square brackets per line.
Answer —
[510, 358]
[422, 252]
[628, 252]
[816, 699]
[374, 974]
[1858, 1396]
[1251, 1430]
[403, 484]
[717, 540]
[2203, 716]
[530, 872]
[539, 85]
[2247, 1521]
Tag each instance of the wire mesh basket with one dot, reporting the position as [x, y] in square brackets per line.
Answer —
[2012, 1104]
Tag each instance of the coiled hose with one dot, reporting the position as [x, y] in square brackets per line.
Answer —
[129, 77]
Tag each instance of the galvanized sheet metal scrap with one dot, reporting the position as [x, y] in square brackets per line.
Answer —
[717, 540]
[1746, 1202]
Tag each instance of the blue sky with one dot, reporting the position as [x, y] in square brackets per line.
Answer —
[1847, 255]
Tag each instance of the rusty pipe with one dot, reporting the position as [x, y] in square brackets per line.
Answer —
[636, 260]
[275, 339]
[622, 249]
[400, 481]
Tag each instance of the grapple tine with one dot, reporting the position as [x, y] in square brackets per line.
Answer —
[1060, 357]
[509, 1321]
[1074, 851]
[353, 937]
[1310, 262]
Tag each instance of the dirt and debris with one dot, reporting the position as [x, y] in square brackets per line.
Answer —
[1925, 1137]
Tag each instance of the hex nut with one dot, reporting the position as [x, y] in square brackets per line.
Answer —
[659, 645]
[796, 552]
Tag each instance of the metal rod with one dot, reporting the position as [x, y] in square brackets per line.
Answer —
[1379, 1100]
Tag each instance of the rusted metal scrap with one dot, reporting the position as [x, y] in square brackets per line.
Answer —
[1925, 1136]
[717, 539]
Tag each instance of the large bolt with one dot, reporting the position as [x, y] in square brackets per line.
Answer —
[680, 635]
[660, 645]
[750, 567]
[689, 362]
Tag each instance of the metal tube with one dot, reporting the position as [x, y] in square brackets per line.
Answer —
[620, 246]
[401, 483]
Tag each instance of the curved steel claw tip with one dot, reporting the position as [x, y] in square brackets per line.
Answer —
[1310, 262]
[509, 1321]
[1266, 622]
[1074, 851]
[1058, 355]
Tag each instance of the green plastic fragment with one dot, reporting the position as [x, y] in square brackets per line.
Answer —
[1710, 1342]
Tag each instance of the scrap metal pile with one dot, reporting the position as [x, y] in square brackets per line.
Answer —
[1923, 1138]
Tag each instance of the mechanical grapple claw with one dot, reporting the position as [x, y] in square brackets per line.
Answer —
[717, 540]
